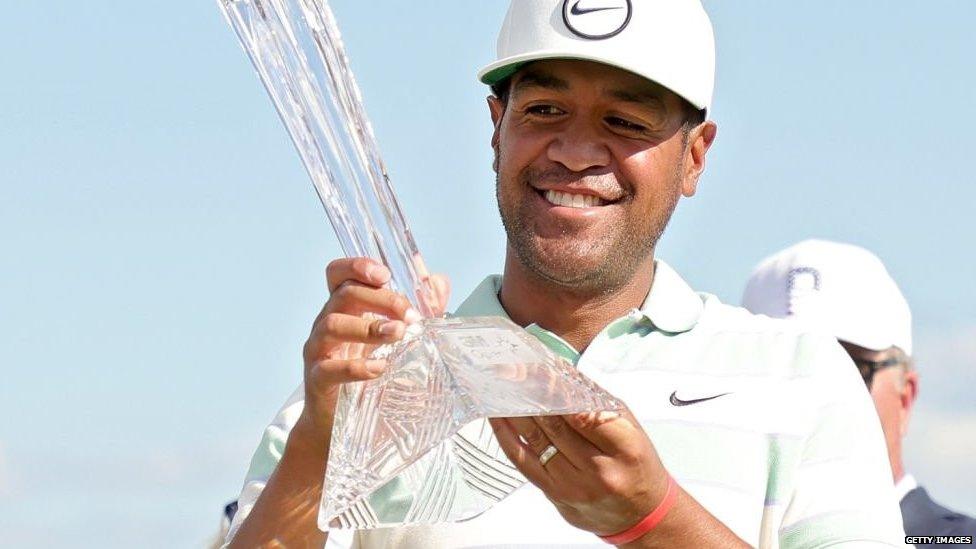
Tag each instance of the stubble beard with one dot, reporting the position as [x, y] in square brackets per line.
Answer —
[594, 267]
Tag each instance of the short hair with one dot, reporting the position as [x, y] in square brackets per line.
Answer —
[693, 115]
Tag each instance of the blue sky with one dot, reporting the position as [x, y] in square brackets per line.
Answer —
[163, 249]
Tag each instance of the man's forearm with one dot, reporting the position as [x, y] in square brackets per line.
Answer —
[285, 512]
[688, 524]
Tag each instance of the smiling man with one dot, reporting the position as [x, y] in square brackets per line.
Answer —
[740, 430]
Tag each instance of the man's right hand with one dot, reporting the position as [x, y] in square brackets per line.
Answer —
[343, 335]
[361, 314]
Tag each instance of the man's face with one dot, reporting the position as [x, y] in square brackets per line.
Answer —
[893, 390]
[591, 161]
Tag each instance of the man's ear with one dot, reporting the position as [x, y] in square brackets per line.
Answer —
[700, 139]
[907, 396]
[497, 109]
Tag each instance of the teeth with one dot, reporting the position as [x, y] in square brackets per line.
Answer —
[572, 200]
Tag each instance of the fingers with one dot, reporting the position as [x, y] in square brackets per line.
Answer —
[576, 449]
[521, 454]
[368, 272]
[344, 328]
[355, 299]
[328, 373]
[442, 292]
[534, 437]
[357, 269]
[575, 452]
[511, 371]
[340, 324]
[611, 432]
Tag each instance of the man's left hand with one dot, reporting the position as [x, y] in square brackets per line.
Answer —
[606, 476]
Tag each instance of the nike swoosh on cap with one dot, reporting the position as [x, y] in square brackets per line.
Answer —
[576, 10]
[675, 401]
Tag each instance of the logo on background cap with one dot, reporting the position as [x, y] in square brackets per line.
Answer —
[802, 280]
[596, 19]
[801, 283]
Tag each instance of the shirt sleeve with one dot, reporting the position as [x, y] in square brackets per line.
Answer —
[843, 494]
[263, 463]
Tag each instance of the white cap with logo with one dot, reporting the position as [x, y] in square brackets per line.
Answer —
[667, 41]
[839, 288]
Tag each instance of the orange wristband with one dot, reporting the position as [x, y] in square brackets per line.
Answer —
[650, 521]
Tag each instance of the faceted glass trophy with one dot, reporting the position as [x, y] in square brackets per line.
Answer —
[412, 446]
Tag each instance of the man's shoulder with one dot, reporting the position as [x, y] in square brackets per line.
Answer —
[719, 316]
[784, 347]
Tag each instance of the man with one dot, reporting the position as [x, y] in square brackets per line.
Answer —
[846, 291]
[740, 430]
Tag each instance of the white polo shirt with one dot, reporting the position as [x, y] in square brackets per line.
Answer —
[790, 456]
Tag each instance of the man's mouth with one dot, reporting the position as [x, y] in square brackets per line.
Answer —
[572, 200]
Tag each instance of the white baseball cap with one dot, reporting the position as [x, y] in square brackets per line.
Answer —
[839, 288]
[667, 41]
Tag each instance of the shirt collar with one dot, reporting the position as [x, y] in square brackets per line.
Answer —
[671, 305]
[483, 301]
[905, 484]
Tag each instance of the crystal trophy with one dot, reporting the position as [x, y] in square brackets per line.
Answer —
[412, 446]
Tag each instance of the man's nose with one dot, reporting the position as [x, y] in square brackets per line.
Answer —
[579, 147]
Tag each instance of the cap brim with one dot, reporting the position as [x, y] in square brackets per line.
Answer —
[867, 341]
[503, 68]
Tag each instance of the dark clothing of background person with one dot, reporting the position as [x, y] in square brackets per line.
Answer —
[924, 517]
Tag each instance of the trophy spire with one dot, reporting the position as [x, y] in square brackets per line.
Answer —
[297, 50]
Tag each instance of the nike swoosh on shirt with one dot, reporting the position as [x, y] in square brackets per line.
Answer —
[675, 401]
[576, 10]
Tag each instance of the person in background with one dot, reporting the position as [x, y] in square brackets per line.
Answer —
[846, 290]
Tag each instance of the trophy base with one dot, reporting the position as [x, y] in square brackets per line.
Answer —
[414, 445]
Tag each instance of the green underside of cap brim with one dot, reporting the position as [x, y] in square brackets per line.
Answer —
[502, 72]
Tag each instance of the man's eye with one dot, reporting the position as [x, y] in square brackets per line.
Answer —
[543, 110]
[625, 125]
